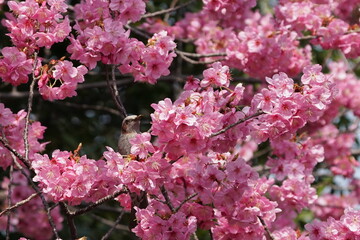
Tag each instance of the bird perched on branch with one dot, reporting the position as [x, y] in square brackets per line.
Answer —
[130, 127]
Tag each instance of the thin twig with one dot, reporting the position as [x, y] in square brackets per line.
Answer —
[138, 31]
[199, 62]
[16, 153]
[266, 228]
[18, 204]
[309, 37]
[198, 55]
[87, 106]
[195, 236]
[172, 5]
[98, 202]
[114, 92]
[186, 200]
[70, 220]
[154, 14]
[109, 223]
[167, 199]
[37, 190]
[355, 151]
[29, 109]
[236, 123]
[107, 235]
[9, 202]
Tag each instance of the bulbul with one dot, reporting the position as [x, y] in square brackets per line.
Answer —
[129, 128]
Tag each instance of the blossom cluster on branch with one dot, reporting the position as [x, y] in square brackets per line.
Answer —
[235, 160]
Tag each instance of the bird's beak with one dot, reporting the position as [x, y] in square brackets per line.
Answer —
[139, 117]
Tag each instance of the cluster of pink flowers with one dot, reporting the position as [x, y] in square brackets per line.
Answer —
[329, 205]
[273, 48]
[347, 227]
[337, 148]
[258, 43]
[148, 63]
[227, 12]
[61, 73]
[35, 24]
[29, 219]
[318, 19]
[102, 37]
[347, 84]
[310, 17]
[15, 66]
[73, 178]
[345, 9]
[155, 225]
[12, 128]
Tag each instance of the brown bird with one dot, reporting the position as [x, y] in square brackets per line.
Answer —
[130, 127]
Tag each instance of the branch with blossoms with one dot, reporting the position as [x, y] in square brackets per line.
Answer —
[224, 154]
[18, 204]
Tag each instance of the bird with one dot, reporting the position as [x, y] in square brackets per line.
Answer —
[129, 129]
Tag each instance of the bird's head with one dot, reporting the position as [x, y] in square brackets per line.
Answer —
[131, 124]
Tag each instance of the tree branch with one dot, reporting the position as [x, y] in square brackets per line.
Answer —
[29, 109]
[154, 14]
[16, 153]
[114, 92]
[198, 55]
[9, 202]
[70, 220]
[266, 228]
[198, 62]
[98, 202]
[37, 190]
[109, 223]
[87, 106]
[167, 199]
[237, 123]
[186, 200]
[107, 235]
[18, 204]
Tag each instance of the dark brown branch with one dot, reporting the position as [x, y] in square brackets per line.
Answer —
[237, 123]
[309, 37]
[114, 92]
[138, 31]
[198, 62]
[9, 202]
[18, 204]
[87, 106]
[185, 201]
[172, 5]
[16, 153]
[70, 221]
[43, 200]
[109, 223]
[99, 202]
[107, 235]
[154, 14]
[167, 199]
[198, 55]
[29, 109]
[266, 228]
